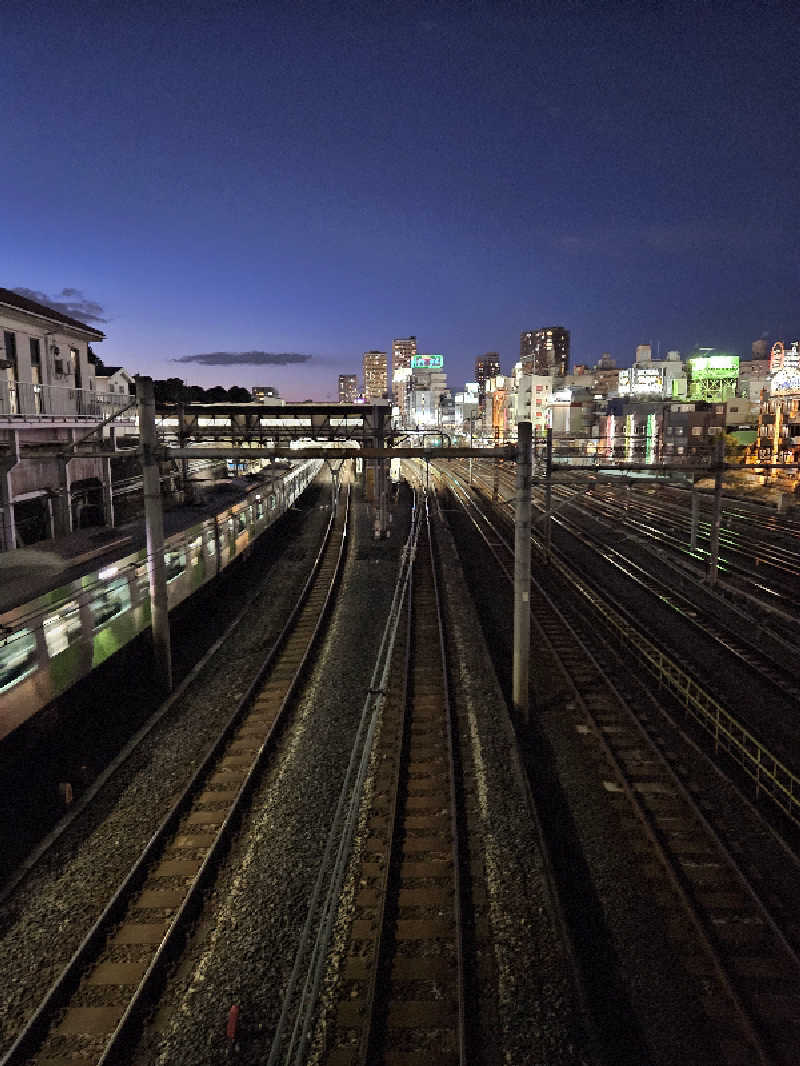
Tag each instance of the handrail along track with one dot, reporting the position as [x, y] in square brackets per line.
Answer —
[770, 774]
[674, 826]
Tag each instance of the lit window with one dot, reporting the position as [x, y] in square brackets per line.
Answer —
[175, 563]
[62, 628]
[17, 658]
[110, 601]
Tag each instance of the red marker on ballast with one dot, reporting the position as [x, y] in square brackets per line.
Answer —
[233, 1022]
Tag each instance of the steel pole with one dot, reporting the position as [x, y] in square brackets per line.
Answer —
[522, 573]
[471, 428]
[548, 494]
[154, 524]
[716, 520]
[695, 513]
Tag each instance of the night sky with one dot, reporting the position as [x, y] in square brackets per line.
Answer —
[319, 178]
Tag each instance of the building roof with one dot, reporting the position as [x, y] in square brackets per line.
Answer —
[109, 370]
[22, 303]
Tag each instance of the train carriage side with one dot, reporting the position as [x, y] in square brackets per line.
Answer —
[49, 643]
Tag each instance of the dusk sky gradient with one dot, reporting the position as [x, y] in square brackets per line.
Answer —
[320, 178]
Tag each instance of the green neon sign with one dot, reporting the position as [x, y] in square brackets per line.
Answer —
[427, 362]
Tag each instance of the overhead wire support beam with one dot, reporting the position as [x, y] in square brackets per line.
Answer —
[222, 452]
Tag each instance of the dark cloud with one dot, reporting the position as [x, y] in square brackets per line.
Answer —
[245, 358]
[70, 302]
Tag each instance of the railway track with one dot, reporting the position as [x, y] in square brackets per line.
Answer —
[400, 993]
[778, 677]
[758, 560]
[781, 677]
[404, 982]
[93, 1009]
[727, 932]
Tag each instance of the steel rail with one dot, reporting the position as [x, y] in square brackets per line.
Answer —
[552, 626]
[300, 1000]
[85, 957]
[683, 606]
[87, 798]
[417, 727]
[771, 775]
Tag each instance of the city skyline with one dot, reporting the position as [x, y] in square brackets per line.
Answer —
[182, 179]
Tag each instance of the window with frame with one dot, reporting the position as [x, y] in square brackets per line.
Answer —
[17, 658]
[109, 601]
[10, 352]
[63, 628]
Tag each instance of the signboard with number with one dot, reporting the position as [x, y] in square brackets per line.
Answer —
[427, 362]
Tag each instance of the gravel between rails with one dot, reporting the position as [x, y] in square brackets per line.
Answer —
[243, 948]
[47, 917]
[535, 999]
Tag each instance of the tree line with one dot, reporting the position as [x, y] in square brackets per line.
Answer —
[175, 390]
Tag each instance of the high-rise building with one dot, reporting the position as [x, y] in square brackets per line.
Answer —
[427, 396]
[348, 388]
[760, 348]
[545, 351]
[644, 353]
[486, 366]
[403, 349]
[376, 384]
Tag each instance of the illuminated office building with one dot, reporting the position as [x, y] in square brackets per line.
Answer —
[486, 367]
[545, 351]
[403, 351]
[348, 388]
[376, 384]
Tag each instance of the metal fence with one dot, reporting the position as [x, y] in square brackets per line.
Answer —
[23, 399]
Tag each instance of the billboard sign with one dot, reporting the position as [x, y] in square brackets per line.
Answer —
[641, 381]
[717, 367]
[427, 362]
[784, 365]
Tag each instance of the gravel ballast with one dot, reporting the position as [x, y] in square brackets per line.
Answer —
[48, 915]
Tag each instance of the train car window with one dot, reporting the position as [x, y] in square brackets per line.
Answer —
[211, 543]
[241, 522]
[175, 562]
[273, 502]
[62, 628]
[196, 548]
[110, 601]
[17, 658]
[260, 511]
[230, 527]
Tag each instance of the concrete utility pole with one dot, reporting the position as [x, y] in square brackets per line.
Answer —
[716, 520]
[548, 494]
[522, 573]
[496, 483]
[381, 484]
[154, 524]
